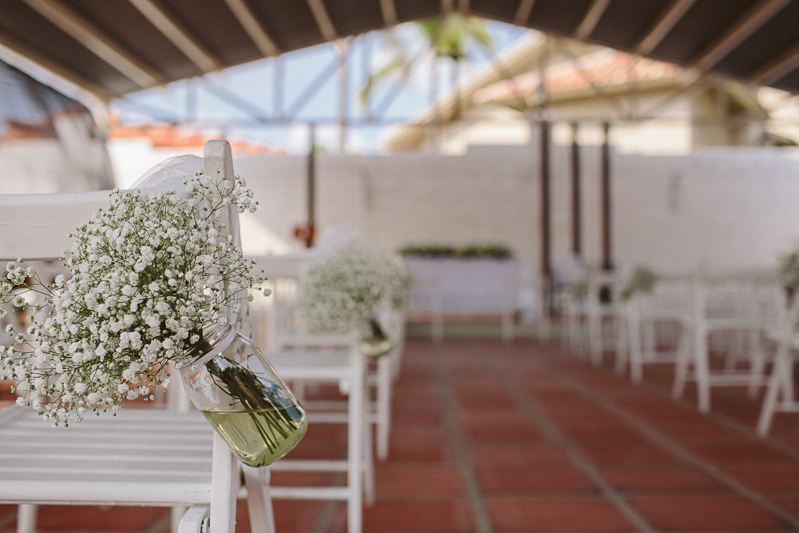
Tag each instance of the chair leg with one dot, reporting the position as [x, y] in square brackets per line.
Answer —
[622, 344]
[702, 371]
[595, 340]
[636, 357]
[757, 363]
[368, 465]
[225, 482]
[355, 439]
[177, 514]
[26, 518]
[195, 520]
[682, 363]
[782, 367]
[383, 406]
[259, 503]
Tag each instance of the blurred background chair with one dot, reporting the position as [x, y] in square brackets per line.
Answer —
[729, 317]
[656, 327]
[779, 395]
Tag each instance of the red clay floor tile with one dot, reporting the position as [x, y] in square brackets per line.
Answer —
[516, 479]
[699, 512]
[528, 515]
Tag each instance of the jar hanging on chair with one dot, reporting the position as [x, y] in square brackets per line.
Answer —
[233, 384]
[374, 341]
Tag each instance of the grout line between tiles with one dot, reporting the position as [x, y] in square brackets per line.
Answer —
[531, 407]
[677, 449]
[458, 441]
[726, 421]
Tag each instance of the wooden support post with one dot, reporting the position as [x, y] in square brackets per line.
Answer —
[576, 196]
[607, 243]
[546, 273]
[311, 184]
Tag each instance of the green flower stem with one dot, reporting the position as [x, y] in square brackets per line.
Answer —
[243, 385]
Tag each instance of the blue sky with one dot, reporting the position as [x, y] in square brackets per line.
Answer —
[254, 84]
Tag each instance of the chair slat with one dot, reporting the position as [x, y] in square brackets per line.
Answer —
[37, 226]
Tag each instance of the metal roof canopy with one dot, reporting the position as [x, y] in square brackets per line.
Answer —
[116, 47]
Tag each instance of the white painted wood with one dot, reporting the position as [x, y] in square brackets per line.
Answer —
[37, 226]
[259, 500]
[26, 518]
[747, 305]
[779, 395]
[337, 365]
[192, 520]
[225, 483]
[148, 457]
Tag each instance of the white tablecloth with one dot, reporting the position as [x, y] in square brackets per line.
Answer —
[472, 286]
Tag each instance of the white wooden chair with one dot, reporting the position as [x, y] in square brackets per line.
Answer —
[306, 360]
[141, 457]
[740, 309]
[779, 395]
[603, 314]
[669, 304]
[284, 330]
[574, 308]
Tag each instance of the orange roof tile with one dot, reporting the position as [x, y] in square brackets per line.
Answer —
[170, 136]
[605, 68]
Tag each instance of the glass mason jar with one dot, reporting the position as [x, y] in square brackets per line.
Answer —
[241, 395]
[374, 341]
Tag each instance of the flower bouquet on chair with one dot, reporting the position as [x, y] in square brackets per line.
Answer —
[345, 292]
[156, 279]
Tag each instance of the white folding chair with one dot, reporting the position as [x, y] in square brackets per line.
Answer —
[779, 395]
[141, 457]
[603, 314]
[738, 310]
[306, 360]
[285, 330]
[644, 315]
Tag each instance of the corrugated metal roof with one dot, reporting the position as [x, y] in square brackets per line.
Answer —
[115, 47]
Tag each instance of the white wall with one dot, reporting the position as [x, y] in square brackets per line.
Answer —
[724, 209]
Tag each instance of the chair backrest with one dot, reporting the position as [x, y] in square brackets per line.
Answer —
[284, 323]
[36, 227]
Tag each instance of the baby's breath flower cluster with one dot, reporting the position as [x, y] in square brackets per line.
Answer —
[343, 290]
[148, 274]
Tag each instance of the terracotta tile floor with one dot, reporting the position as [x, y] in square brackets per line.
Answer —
[523, 437]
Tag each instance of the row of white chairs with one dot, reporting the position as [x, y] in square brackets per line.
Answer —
[746, 317]
[171, 457]
[150, 457]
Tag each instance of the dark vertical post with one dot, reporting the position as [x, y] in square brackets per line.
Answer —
[607, 244]
[545, 211]
[311, 177]
[278, 87]
[577, 244]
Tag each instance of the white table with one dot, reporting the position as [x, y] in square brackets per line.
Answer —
[472, 286]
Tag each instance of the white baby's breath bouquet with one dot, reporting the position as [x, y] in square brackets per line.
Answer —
[345, 289]
[147, 275]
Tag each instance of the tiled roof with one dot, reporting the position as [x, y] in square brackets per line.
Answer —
[171, 136]
[605, 68]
